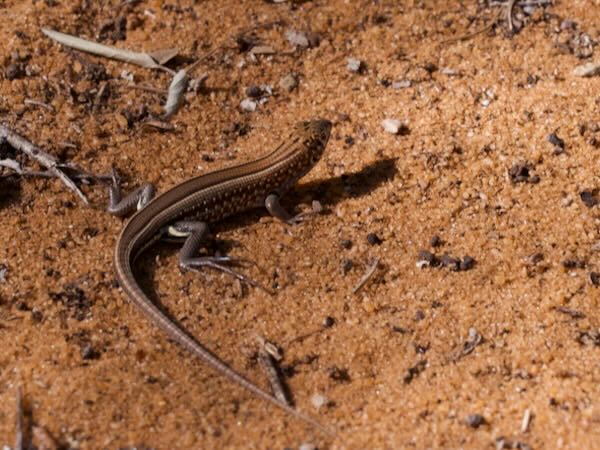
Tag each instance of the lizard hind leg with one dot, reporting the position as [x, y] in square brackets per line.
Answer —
[195, 233]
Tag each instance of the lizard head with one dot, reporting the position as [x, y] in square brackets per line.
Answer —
[314, 134]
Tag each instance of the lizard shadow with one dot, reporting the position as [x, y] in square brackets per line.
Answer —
[330, 192]
[352, 185]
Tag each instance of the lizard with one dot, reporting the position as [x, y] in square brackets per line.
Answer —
[184, 213]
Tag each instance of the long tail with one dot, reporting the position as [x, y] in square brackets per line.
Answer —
[160, 319]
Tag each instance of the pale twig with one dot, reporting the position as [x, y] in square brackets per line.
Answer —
[509, 11]
[367, 276]
[12, 165]
[40, 104]
[523, 3]
[139, 58]
[526, 421]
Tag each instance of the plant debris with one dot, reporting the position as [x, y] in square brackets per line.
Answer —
[147, 60]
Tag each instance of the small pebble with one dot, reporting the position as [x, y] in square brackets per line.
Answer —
[595, 278]
[589, 198]
[419, 315]
[248, 105]
[521, 172]
[319, 401]
[298, 38]
[355, 65]
[346, 244]
[304, 39]
[467, 263]
[88, 352]
[559, 144]
[346, 266]
[341, 375]
[126, 75]
[307, 446]
[430, 67]
[391, 126]
[402, 84]
[22, 306]
[568, 25]
[435, 241]
[475, 420]
[14, 71]
[373, 239]
[36, 315]
[254, 91]
[449, 71]
[450, 262]
[573, 264]
[426, 258]
[328, 322]
[288, 82]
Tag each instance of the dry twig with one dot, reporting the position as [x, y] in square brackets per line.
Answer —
[19, 435]
[509, 11]
[273, 375]
[367, 276]
[148, 60]
[468, 36]
[55, 169]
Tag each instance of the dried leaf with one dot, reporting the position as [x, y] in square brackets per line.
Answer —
[164, 55]
[176, 91]
[587, 70]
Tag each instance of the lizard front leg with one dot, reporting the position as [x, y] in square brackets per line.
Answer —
[134, 201]
[275, 208]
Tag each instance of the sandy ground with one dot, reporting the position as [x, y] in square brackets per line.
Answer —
[483, 308]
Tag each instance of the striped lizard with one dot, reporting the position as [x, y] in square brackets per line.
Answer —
[184, 213]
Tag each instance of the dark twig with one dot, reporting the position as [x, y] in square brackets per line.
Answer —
[19, 439]
[467, 36]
